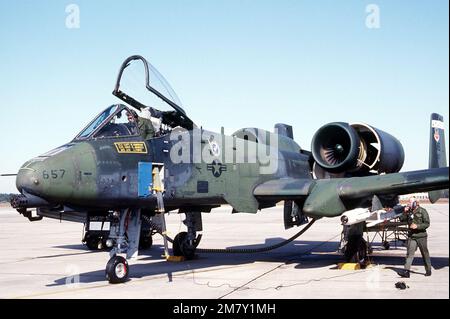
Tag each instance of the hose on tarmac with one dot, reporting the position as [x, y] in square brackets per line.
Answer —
[234, 250]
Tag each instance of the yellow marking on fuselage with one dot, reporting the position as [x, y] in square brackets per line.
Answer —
[131, 147]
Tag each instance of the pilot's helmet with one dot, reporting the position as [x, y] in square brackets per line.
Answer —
[133, 113]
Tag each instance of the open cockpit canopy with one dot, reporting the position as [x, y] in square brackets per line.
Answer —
[162, 94]
[162, 106]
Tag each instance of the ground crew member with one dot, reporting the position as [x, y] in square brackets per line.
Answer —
[418, 221]
[144, 126]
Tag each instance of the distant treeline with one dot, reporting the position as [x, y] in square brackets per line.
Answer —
[5, 197]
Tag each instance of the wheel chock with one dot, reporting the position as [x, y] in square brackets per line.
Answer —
[175, 259]
[349, 266]
[369, 265]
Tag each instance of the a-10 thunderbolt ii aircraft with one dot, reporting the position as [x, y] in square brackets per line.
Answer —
[110, 171]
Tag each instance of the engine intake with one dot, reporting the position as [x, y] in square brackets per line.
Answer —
[356, 148]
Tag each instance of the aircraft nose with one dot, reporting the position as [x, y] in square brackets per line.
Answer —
[28, 180]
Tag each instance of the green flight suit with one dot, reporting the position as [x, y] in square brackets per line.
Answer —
[146, 128]
[418, 237]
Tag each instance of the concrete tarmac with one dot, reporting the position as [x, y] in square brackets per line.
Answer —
[46, 259]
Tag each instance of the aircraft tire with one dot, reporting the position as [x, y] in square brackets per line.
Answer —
[145, 241]
[181, 247]
[356, 250]
[117, 270]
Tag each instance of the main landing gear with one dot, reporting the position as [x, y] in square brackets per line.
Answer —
[185, 243]
[353, 245]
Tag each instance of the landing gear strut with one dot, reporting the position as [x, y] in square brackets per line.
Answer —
[124, 233]
[185, 243]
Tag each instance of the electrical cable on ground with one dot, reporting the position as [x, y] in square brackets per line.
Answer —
[234, 250]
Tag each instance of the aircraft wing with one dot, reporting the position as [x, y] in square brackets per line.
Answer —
[285, 189]
[395, 184]
[332, 197]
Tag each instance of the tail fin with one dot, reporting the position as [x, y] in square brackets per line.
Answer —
[437, 152]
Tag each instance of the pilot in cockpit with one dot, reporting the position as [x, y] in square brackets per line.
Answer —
[144, 125]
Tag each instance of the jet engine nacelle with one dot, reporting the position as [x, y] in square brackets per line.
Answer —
[356, 148]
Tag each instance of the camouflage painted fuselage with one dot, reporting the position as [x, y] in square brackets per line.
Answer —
[103, 173]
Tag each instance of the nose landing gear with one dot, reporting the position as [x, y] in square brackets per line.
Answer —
[125, 234]
[117, 270]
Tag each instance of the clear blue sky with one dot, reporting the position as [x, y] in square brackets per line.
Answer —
[232, 63]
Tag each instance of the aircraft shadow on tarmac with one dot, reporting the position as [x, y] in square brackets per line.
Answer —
[306, 254]
[76, 247]
[436, 262]
[208, 260]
